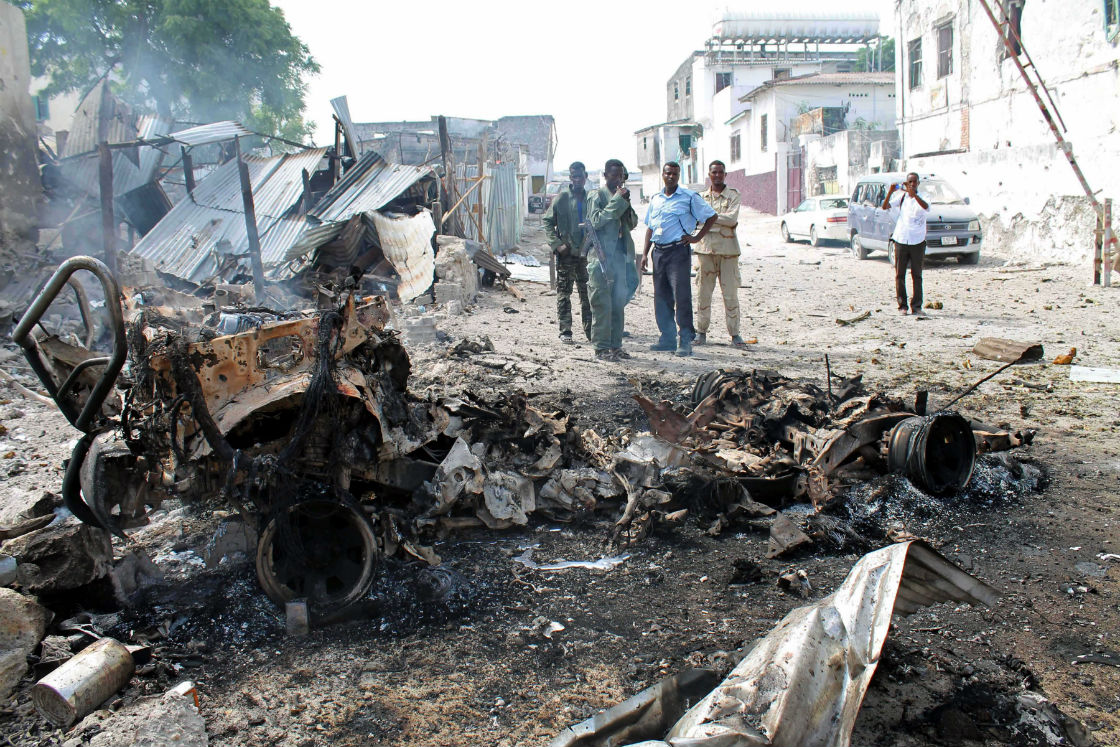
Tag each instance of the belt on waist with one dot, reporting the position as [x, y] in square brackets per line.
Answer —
[666, 246]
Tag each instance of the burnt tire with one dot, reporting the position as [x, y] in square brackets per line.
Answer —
[321, 548]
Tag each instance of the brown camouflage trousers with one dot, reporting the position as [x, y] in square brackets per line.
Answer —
[725, 269]
[572, 270]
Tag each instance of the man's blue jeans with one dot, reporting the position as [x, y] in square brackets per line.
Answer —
[672, 292]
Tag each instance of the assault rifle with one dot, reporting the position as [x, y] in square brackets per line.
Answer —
[591, 238]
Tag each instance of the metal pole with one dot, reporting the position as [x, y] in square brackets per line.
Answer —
[108, 219]
[250, 223]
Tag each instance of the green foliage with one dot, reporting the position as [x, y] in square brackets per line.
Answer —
[873, 59]
[195, 60]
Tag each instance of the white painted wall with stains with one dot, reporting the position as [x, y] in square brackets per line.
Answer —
[978, 126]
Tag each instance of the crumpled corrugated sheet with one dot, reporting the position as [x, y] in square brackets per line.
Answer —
[803, 684]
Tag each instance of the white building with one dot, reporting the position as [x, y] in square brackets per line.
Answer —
[965, 113]
[704, 97]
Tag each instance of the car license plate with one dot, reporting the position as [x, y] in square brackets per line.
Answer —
[949, 241]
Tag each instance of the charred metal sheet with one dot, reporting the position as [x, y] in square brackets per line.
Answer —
[341, 109]
[407, 244]
[802, 685]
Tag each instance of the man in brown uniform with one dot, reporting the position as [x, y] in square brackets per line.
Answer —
[718, 256]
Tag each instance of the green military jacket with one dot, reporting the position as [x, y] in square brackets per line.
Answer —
[613, 218]
[561, 220]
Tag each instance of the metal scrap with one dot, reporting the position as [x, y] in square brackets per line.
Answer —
[802, 684]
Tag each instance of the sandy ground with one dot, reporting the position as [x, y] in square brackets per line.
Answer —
[488, 675]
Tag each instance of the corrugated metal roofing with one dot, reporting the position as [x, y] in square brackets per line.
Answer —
[215, 132]
[370, 184]
[342, 110]
[187, 242]
[131, 168]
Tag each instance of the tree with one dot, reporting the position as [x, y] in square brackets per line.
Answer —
[876, 58]
[194, 60]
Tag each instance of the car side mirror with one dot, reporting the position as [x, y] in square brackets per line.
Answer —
[967, 201]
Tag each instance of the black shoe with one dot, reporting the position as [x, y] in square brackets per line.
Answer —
[684, 350]
[625, 333]
[620, 353]
[605, 355]
[566, 338]
[661, 347]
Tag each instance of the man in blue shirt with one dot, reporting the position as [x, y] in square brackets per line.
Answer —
[672, 216]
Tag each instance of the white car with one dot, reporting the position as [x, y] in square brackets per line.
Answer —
[817, 219]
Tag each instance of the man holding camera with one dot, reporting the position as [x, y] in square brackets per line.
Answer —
[909, 237]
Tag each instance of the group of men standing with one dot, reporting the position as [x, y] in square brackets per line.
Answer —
[590, 234]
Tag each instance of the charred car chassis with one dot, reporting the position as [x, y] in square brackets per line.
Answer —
[299, 420]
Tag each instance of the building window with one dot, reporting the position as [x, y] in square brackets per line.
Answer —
[688, 86]
[736, 148]
[42, 108]
[676, 91]
[944, 49]
[645, 143]
[781, 73]
[762, 120]
[723, 80]
[914, 52]
[1112, 18]
[1011, 16]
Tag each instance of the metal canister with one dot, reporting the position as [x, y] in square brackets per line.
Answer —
[83, 683]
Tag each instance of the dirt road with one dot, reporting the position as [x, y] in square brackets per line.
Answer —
[499, 673]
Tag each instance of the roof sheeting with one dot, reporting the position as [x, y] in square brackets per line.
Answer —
[824, 79]
[187, 242]
[369, 184]
[407, 244]
[215, 132]
[342, 111]
[133, 167]
[191, 241]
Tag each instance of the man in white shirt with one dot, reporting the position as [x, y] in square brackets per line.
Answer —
[909, 239]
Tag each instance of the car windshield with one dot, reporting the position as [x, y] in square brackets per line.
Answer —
[939, 192]
[554, 188]
[839, 202]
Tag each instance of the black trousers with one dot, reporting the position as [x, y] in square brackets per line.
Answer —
[672, 292]
[913, 255]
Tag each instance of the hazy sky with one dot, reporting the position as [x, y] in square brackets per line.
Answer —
[599, 68]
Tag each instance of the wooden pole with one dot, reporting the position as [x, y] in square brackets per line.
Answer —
[482, 175]
[250, 223]
[188, 171]
[108, 219]
[447, 184]
[336, 162]
[1107, 255]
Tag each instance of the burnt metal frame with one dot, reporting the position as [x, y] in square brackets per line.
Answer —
[82, 420]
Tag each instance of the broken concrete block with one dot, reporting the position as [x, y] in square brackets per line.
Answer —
[23, 621]
[509, 499]
[447, 293]
[454, 265]
[61, 557]
[418, 331]
[169, 720]
[233, 540]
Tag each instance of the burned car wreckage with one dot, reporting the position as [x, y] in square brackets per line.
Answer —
[303, 422]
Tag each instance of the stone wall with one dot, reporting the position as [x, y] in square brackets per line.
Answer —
[20, 187]
[758, 191]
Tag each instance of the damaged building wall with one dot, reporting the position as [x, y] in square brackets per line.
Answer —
[20, 188]
[980, 128]
[836, 162]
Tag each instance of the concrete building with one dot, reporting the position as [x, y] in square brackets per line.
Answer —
[415, 142]
[964, 112]
[20, 186]
[705, 108]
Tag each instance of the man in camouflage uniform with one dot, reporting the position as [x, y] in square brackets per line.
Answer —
[614, 277]
[718, 257]
[561, 225]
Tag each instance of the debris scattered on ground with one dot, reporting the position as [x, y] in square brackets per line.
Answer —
[1095, 375]
[1008, 351]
